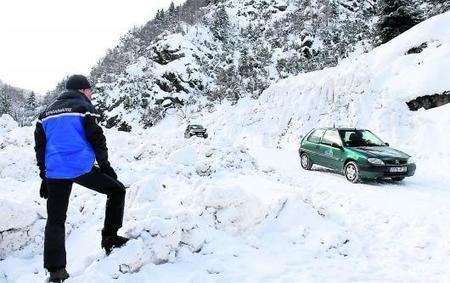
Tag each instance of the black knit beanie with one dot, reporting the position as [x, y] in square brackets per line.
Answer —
[76, 82]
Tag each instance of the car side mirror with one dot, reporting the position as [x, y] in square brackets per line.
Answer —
[335, 145]
[386, 143]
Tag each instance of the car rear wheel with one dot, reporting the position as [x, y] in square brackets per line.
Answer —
[205, 136]
[305, 161]
[398, 179]
[351, 172]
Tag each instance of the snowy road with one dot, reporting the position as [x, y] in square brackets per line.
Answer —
[391, 228]
[258, 217]
[327, 230]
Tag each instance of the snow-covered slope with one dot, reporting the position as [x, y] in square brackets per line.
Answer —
[370, 91]
[236, 48]
[237, 207]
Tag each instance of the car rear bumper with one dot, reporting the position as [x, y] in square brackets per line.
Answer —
[375, 172]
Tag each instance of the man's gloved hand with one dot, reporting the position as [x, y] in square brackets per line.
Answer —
[43, 192]
[108, 170]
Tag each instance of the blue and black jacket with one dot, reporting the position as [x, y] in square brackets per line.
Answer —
[68, 138]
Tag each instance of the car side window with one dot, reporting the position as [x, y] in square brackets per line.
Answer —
[330, 137]
[316, 136]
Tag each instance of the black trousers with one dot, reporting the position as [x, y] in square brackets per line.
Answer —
[58, 201]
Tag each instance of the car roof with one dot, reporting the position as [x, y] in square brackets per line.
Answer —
[341, 129]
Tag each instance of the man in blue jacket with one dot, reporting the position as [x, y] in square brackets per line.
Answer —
[68, 141]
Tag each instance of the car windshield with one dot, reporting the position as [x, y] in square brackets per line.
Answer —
[354, 138]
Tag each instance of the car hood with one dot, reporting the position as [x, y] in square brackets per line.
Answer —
[380, 152]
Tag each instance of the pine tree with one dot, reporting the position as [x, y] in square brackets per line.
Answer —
[171, 16]
[221, 24]
[29, 110]
[171, 8]
[31, 102]
[245, 64]
[158, 15]
[264, 55]
[281, 67]
[5, 103]
[396, 17]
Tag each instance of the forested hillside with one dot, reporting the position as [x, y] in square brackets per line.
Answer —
[203, 52]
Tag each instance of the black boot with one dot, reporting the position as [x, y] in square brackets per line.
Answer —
[115, 241]
[58, 275]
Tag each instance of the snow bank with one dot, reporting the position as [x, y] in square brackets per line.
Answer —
[21, 225]
[370, 91]
[21, 228]
[15, 215]
[7, 123]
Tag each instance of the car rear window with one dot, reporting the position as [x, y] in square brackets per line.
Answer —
[315, 136]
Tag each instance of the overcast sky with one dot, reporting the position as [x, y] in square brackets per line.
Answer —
[41, 41]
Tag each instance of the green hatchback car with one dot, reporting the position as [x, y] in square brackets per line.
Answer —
[358, 153]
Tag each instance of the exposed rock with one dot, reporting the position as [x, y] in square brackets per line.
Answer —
[281, 6]
[169, 102]
[417, 49]
[165, 56]
[176, 81]
[111, 122]
[124, 127]
[429, 101]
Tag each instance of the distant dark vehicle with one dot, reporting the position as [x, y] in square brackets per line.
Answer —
[195, 130]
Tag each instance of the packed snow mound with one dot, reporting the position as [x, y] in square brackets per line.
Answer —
[433, 131]
[7, 123]
[22, 220]
[15, 216]
[20, 228]
[186, 200]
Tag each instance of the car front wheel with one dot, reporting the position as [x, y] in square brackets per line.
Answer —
[351, 172]
[305, 161]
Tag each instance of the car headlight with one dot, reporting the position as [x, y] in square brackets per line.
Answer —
[411, 160]
[375, 161]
